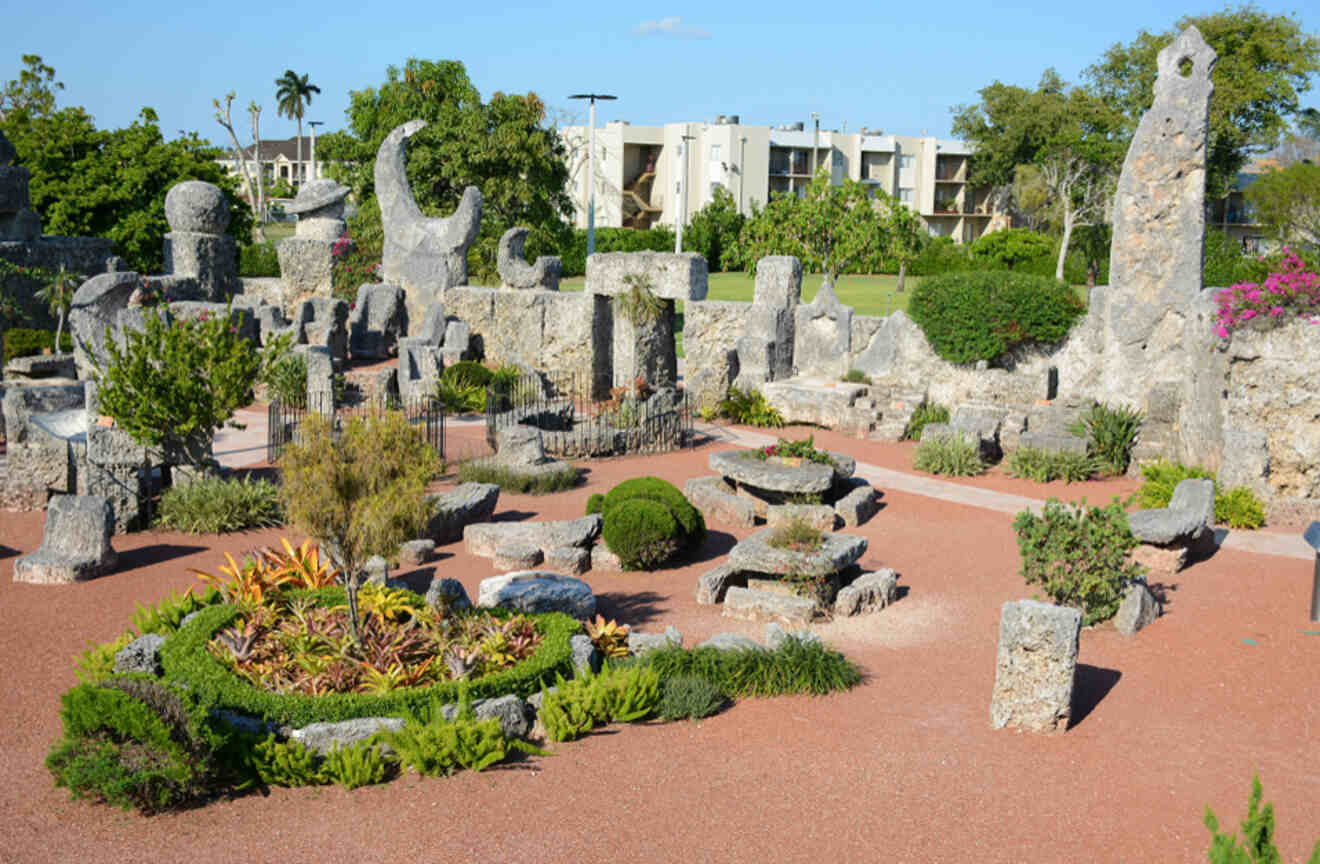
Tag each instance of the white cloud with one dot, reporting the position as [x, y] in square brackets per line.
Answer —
[672, 26]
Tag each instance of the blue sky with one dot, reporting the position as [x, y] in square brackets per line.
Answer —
[897, 68]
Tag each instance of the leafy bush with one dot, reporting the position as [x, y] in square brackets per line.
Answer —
[172, 385]
[595, 504]
[796, 534]
[614, 695]
[713, 231]
[363, 764]
[131, 743]
[802, 448]
[166, 616]
[941, 255]
[690, 698]
[927, 412]
[361, 490]
[749, 408]
[794, 667]
[285, 378]
[856, 376]
[1110, 434]
[215, 505]
[649, 534]
[953, 455]
[968, 317]
[257, 260]
[1012, 246]
[1031, 463]
[1239, 508]
[510, 480]
[435, 747]
[462, 387]
[1078, 556]
[97, 663]
[20, 342]
[1257, 835]
[642, 532]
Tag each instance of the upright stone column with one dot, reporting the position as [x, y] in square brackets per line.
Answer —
[307, 258]
[1035, 667]
[765, 350]
[197, 247]
[1149, 320]
[17, 222]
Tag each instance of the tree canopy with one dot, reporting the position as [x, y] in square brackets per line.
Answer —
[502, 147]
[89, 182]
[1288, 201]
[1265, 64]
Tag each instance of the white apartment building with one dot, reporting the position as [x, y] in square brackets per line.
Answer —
[639, 171]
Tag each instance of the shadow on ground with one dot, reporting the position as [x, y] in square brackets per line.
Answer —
[631, 608]
[155, 554]
[1090, 687]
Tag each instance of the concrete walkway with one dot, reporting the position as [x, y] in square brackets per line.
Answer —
[1257, 542]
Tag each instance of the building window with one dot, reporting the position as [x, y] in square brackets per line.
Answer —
[905, 163]
[714, 152]
[905, 194]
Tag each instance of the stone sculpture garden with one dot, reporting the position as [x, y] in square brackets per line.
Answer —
[503, 625]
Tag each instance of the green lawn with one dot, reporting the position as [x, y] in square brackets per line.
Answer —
[277, 231]
[868, 295]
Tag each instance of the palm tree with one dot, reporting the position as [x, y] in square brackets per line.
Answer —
[57, 293]
[294, 93]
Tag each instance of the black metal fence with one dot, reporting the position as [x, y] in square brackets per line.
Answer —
[283, 421]
[573, 424]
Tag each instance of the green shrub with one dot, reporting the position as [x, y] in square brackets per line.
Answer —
[796, 533]
[1031, 463]
[968, 317]
[1110, 434]
[462, 387]
[287, 763]
[941, 255]
[1239, 508]
[1257, 835]
[257, 260]
[642, 532]
[953, 455]
[595, 504]
[97, 663]
[132, 743]
[690, 698]
[614, 695]
[285, 378]
[511, 480]
[21, 342]
[794, 667]
[574, 256]
[1162, 477]
[216, 505]
[927, 412]
[1011, 247]
[166, 616]
[856, 376]
[185, 660]
[1078, 556]
[648, 521]
[750, 408]
[363, 764]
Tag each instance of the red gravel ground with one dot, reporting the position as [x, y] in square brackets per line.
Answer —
[904, 768]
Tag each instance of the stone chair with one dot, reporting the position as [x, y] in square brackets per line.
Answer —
[75, 543]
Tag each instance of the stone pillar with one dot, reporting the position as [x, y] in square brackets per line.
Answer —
[320, 379]
[1149, 320]
[307, 259]
[197, 248]
[645, 349]
[765, 350]
[17, 222]
[113, 471]
[1035, 667]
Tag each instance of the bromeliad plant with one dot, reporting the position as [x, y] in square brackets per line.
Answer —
[803, 448]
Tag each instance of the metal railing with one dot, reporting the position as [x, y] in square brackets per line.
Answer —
[283, 421]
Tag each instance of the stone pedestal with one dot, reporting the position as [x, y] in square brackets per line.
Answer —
[209, 259]
[645, 349]
[306, 266]
[1035, 666]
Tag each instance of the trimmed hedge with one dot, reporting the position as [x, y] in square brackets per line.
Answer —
[648, 521]
[22, 342]
[969, 317]
[688, 516]
[185, 659]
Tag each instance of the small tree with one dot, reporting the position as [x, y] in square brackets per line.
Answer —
[175, 382]
[904, 235]
[361, 491]
[714, 231]
[1257, 845]
[57, 294]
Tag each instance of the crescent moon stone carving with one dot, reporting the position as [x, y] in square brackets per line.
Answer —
[424, 255]
[516, 273]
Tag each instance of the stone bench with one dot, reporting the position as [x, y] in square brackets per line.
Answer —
[1168, 535]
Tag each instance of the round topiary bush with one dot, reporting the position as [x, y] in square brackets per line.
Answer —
[642, 532]
[968, 317]
[634, 528]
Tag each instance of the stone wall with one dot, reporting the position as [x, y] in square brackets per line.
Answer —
[554, 332]
[711, 329]
[86, 255]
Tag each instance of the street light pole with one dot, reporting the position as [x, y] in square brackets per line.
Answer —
[742, 169]
[313, 124]
[682, 192]
[815, 143]
[591, 166]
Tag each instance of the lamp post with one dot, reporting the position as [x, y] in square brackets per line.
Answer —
[591, 166]
[313, 124]
[815, 143]
[742, 169]
[682, 192]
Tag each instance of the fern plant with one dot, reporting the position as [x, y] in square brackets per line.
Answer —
[433, 746]
[1257, 845]
[363, 764]
[621, 694]
[1110, 433]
